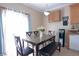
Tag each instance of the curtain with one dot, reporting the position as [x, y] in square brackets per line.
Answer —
[14, 24]
[1, 32]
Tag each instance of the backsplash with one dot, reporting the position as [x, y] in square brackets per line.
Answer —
[75, 26]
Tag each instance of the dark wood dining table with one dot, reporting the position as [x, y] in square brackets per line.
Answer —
[36, 41]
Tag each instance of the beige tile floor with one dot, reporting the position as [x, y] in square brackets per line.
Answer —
[66, 52]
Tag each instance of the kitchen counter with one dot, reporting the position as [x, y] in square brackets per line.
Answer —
[72, 31]
[69, 33]
[74, 42]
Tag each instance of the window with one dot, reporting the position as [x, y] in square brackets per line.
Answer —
[13, 24]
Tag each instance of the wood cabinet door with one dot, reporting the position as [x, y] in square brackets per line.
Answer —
[50, 17]
[54, 16]
[74, 13]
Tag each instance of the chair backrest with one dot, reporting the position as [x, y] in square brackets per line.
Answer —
[49, 32]
[53, 39]
[29, 33]
[36, 33]
[18, 45]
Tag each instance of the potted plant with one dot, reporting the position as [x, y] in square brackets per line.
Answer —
[41, 30]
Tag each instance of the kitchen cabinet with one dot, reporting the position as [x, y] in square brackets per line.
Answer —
[72, 39]
[54, 16]
[74, 13]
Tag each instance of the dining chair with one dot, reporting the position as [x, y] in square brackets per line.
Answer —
[19, 47]
[36, 33]
[29, 33]
[49, 32]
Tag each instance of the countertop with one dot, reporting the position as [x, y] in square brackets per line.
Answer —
[74, 31]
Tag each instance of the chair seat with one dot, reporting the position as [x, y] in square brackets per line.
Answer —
[20, 49]
[49, 49]
[27, 51]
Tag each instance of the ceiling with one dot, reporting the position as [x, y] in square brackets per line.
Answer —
[41, 7]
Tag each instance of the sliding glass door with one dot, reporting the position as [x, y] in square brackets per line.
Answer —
[14, 24]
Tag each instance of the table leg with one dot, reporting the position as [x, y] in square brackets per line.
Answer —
[59, 47]
[37, 48]
[33, 50]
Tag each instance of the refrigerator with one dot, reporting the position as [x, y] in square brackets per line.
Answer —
[62, 37]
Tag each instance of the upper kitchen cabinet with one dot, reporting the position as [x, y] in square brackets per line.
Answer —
[74, 13]
[54, 16]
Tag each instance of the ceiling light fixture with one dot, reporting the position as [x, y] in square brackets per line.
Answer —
[46, 13]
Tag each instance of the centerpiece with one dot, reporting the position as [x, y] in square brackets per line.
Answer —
[41, 30]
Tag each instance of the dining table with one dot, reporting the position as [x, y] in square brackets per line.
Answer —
[36, 41]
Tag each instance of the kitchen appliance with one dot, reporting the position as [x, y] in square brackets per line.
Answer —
[62, 37]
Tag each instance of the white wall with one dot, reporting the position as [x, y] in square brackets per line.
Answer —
[35, 15]
[54, 26]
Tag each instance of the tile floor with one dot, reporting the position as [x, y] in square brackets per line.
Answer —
[66, 52]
